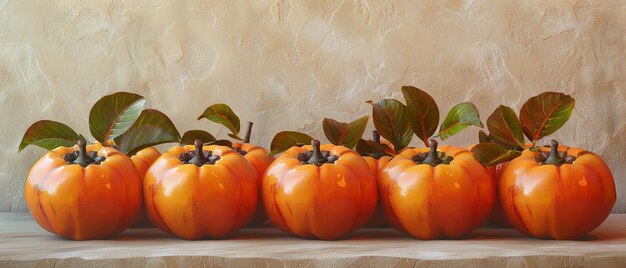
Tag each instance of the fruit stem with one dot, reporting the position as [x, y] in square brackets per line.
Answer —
[433, 157]
[198, 159]
[554, 158]
[376, 136]
[246, 139]
[83, 158]
[317, 157]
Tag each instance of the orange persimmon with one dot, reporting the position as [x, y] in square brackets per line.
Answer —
[375, 165]
[431, 196]
[260, 160]
[377, 162]
[497, 218]
[561, 194]
[319, 191]
[84, 192]
[143, 160]
[198, 192]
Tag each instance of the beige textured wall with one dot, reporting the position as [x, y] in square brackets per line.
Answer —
[287, 64]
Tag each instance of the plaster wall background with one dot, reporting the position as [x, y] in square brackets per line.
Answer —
[286, 64]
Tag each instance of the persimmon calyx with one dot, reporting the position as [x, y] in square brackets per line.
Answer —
[554, 157]
[239, 150]
[433, 158]
[81, 157]
[317, 156]
[198, 157]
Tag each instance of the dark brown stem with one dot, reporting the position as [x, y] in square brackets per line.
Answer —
[246, 139]
[433, 157]
[83, 158]
[317, 157]
[198, 159]
[554, 158]
[376, 136]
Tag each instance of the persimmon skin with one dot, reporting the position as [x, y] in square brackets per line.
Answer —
[142, 161]
[95, 202]
[325, 202]
[552, 202]
[446, 201]
[378, 219]
[191, 202]
[260, 159]
[497, 217]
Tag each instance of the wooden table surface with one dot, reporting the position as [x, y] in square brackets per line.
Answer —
[24, 244]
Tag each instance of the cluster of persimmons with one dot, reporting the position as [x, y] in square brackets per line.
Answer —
[210, 188]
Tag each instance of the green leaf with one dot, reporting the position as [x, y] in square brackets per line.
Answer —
[223, 115]
[423, 112]
[484, 137]
[151, 128]
[460, 116]
[346, 134]
[505, 128]
[367, 147]
[114, 114]
[491, 154]
[192, 135]
[390, 119]
[49, 134]
[284, 140]
[545, 113]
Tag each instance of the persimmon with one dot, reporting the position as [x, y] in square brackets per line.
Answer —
[260, 160]
[497, 218]
[142, 161]
[561, 194]
[117, 121]
[377, 161]
[397, 123]
[319, 191]
[378, 219]
[433, 193]
[84, 192]
[198, 191]
[540, 116]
